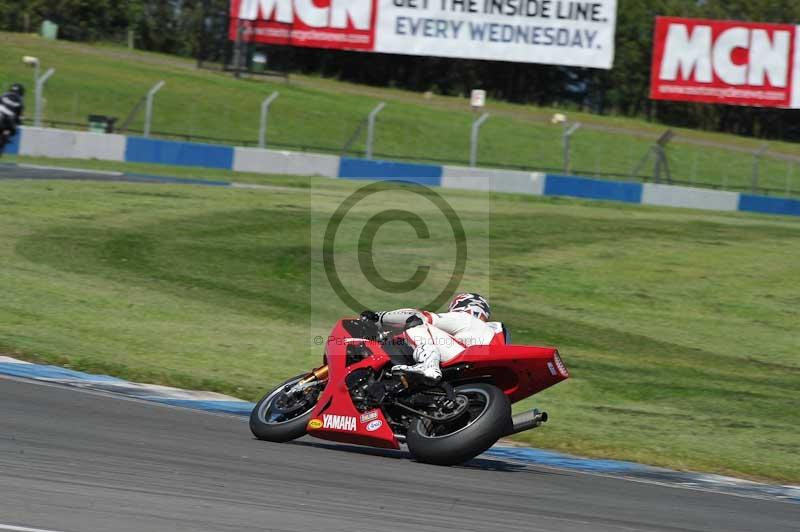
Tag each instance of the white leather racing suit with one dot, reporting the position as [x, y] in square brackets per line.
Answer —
[440, 337]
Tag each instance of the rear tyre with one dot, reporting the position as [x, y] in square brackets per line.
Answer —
[487, 419]
[281, 417]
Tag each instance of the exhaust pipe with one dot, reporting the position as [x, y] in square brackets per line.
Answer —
[527, 421]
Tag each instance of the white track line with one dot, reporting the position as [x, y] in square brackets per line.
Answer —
[23, 528]
[276, 188]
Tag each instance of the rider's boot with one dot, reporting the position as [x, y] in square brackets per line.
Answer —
[428, 359]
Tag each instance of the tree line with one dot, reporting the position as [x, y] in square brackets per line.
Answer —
[199, 28]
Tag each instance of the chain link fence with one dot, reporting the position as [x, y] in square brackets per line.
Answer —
[502, 144]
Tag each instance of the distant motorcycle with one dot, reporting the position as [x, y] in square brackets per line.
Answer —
[354, 397]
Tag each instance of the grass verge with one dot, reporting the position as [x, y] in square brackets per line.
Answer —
[679, 326]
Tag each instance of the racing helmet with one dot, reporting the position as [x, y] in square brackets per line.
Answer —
[17, 88]
[474, 304]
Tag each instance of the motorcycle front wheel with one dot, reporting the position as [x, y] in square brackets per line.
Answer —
[283, 413]
[485, 421]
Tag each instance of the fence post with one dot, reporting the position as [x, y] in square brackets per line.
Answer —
[757, 155]
[568, 132]
[789, 170]
[262, 131]
[473, 148]
[657, 150]
[148, 114]
[371, 127]
[37, 117]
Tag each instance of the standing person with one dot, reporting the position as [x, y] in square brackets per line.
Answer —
[12, 106]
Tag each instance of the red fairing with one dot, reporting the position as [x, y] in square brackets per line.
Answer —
[335, 417]
[520, 371]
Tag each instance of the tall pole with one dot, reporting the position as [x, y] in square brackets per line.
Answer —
[371, 127]
[201, 34]
[148, 115]
[40, 81]
[36, 68]
[473, 149]
[262, 131]
[237, 50]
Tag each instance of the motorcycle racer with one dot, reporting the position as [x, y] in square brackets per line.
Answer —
[437, 338]
[11, 109]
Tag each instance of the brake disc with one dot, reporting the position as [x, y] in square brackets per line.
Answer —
[460, 407]
[287, 405]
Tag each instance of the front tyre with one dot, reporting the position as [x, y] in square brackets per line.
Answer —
[283, 413]
[486, 420]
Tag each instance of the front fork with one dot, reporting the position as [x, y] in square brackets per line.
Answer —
[317, 375]
[311, 380]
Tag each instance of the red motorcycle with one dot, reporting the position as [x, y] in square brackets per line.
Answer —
[354, 397]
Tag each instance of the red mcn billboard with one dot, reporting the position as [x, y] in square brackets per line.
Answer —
[730, 62]
[343, 24]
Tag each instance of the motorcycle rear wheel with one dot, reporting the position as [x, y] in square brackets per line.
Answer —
[487, 419]
[277, 417]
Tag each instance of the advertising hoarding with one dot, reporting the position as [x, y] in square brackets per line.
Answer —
[559, 32]
[730, 62]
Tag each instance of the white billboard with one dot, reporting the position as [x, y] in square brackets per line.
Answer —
[556, 32]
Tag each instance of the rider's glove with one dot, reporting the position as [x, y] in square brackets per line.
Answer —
[370, 315]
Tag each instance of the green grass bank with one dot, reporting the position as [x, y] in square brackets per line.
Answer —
[679, 327]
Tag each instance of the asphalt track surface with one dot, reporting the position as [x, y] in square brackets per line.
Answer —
[75, 461]
[47, 173]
